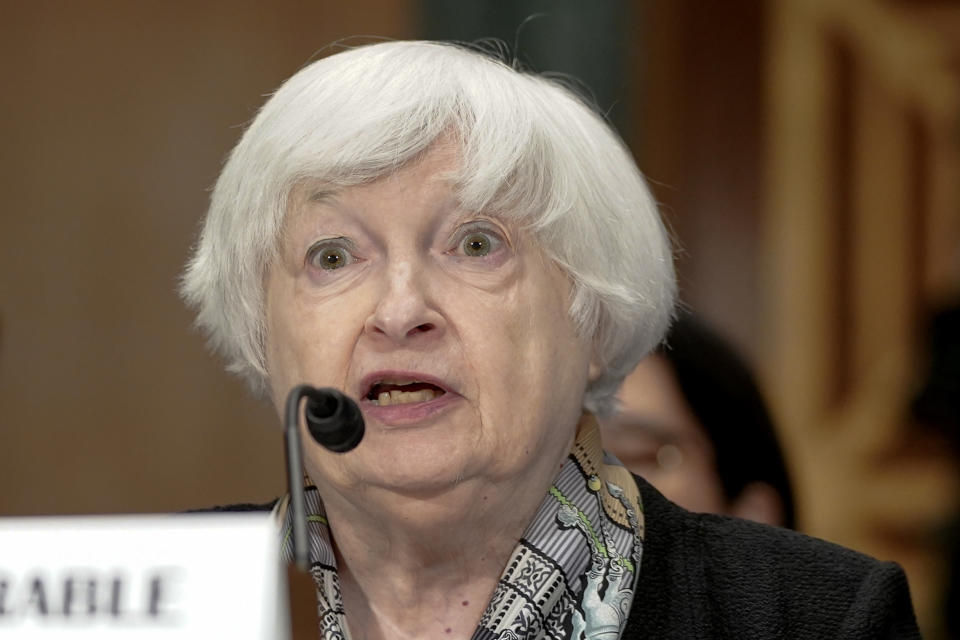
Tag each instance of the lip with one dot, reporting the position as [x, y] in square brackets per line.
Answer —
[411, 414]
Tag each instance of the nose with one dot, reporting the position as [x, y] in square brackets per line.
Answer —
[405, 311]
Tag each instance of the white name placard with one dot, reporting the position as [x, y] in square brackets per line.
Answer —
[159, 576]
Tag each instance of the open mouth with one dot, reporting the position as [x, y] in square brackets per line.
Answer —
[390, 393]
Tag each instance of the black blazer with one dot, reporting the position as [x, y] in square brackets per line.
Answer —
[708, 576]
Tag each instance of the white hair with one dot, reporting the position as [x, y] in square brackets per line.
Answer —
[532, 152]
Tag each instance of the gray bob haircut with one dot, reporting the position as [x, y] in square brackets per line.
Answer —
[532, 153]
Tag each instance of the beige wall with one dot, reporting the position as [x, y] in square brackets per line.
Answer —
[116, 117]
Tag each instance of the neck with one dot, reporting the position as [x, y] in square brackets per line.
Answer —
[425, 567]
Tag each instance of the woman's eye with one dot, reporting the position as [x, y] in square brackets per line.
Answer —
[477, 244]
[329, 256]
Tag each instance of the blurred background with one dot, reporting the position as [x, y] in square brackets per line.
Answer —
[806, 154]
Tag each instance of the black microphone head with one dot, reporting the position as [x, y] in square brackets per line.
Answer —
[333, 419]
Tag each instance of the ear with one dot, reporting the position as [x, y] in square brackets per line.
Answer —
[759, 502]
[595, 370]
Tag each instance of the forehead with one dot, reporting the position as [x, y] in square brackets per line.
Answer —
[428, 179]
[651, 395]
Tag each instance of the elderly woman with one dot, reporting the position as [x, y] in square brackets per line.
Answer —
[472, 254]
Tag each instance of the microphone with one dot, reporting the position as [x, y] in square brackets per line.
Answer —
[333, 419]
[335, 422]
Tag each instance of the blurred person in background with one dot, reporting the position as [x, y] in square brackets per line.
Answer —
[693, 422]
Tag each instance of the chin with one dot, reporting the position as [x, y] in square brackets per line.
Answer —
[411, 468]
[415, 484]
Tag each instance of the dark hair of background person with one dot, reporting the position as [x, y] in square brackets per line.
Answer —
[937, 403]
[936, 406]
[725, 398]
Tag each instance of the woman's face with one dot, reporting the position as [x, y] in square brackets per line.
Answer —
[656, 435]
[449, 327]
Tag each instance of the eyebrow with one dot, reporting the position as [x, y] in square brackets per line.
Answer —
[458, 214]
[322, 195]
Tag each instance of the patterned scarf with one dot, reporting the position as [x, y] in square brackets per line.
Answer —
[572, 575]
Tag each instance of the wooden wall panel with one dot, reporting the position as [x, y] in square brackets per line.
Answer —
[699, 143]
[116, 118]
[882, 223]
[860, 239]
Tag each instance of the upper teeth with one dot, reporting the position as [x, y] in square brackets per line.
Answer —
[396, 396]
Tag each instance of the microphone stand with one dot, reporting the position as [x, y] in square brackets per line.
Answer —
[294, 459]
[336, 423]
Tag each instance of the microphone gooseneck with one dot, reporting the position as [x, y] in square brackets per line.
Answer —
[335, 422]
